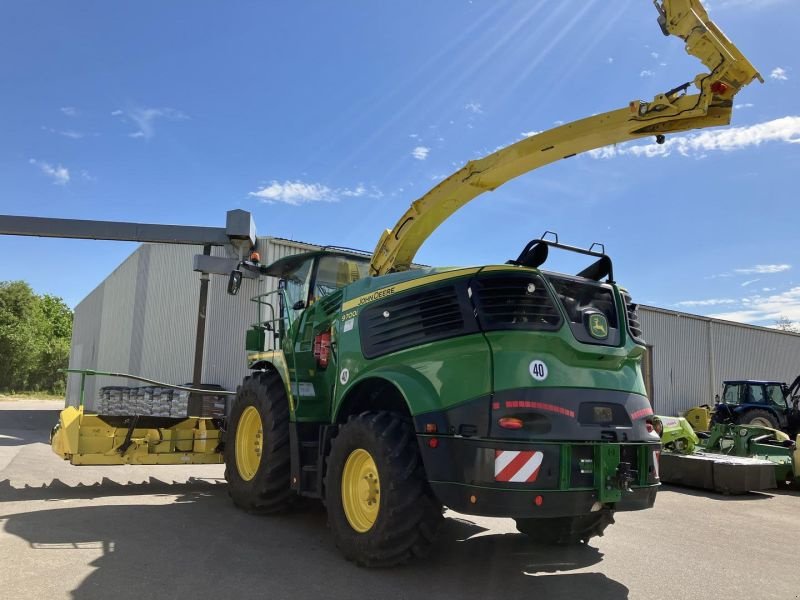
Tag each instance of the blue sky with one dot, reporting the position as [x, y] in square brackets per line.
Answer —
[326, 119]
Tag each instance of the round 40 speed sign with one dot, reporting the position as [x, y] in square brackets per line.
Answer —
[538, 370]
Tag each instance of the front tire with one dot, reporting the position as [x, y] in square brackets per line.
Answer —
[566, 531]
[257, 459]
[380, 508]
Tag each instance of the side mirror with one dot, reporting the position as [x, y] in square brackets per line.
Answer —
[299, 305]
[234, 282]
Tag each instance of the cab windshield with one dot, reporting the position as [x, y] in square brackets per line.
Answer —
[334, 272]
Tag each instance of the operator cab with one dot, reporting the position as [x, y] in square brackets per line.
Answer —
[755, 392]
[308, 277]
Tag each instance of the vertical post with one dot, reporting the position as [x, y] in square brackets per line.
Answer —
[83, 387]
[712, 362]
[199, 342]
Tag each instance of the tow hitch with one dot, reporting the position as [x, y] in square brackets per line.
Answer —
[623, 478]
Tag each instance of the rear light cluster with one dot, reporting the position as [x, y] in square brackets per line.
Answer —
[656, 425]
[322, 349]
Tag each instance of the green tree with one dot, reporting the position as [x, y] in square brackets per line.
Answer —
[785, 324]
[35, 334]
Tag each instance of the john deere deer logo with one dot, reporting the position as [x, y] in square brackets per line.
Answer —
[598, 326]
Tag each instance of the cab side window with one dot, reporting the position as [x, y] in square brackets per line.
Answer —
[756, 394]
[776, 397]
[731, 395]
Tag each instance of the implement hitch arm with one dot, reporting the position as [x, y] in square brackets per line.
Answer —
[669, 112]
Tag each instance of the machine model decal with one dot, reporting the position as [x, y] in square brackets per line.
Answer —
[538, 370]
[407, 285]
[344, 376]
[517, 466]
[304, 388]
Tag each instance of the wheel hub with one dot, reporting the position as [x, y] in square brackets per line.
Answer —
[361, 489]
[249, 443]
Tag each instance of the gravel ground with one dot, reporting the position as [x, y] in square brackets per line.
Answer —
[171, 532]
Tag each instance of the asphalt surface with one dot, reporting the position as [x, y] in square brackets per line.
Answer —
[171, 532]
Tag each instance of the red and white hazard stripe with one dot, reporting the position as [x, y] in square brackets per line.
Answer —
[517, 466]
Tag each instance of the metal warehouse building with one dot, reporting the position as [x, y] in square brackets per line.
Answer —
[142, 320]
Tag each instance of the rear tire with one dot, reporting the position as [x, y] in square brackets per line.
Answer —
[257, 459]
[380, 508]
[566, 531]
[759, 417]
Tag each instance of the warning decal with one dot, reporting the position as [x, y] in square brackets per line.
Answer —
[517, 466]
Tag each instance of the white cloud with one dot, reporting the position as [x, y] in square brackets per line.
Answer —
[70, 133]
[749, 282]
[654, 55]
[59, 174]
[70, 111]
[474, 107]
[413, 136]
[779, 74]
[646, 73]
[144, 119]
[528, 134]
[786, 129]
[709, 302]
[765, 310]
[610, 60]
[420, 152]
[296, 193]
[764, 269]
[744, 105]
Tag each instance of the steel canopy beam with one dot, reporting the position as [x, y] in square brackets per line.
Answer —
[113, 230]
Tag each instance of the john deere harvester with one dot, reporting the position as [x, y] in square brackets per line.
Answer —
[502, 390]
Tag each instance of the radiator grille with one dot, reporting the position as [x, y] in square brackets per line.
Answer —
[514, 302]
[411, 320]
[632, 311]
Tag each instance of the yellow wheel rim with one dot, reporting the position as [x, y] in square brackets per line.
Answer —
[361, 488]
[249, 443]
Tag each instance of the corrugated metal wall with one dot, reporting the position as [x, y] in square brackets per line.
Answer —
[142, 319]
[692, 355]
[85, 342]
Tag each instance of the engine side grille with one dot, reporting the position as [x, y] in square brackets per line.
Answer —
[331, 303]
[632, 312]
[514, 302]
[414, 319]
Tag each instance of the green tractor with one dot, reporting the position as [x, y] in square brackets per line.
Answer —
[500, 390]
